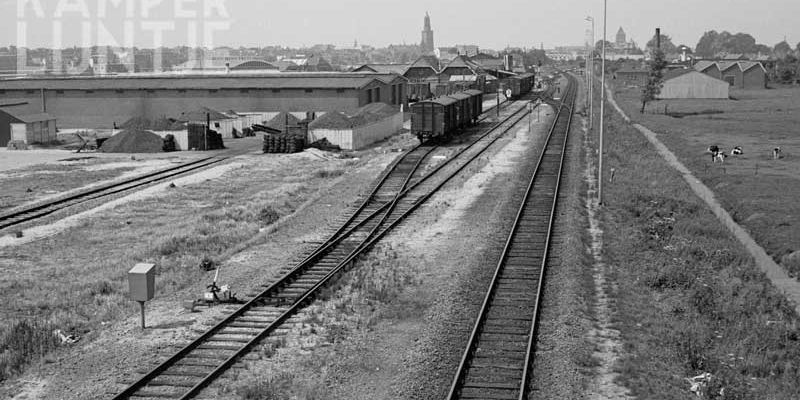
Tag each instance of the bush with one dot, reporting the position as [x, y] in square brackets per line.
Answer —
[268, 215]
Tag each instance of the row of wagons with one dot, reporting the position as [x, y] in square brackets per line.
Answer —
[445, 116]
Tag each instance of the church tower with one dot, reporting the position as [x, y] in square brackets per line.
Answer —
[427, 36]
[621, 38]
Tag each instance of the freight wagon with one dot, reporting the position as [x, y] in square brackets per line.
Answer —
[445, 116]
[521, 84]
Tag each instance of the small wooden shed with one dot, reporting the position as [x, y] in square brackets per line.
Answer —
[30, 128]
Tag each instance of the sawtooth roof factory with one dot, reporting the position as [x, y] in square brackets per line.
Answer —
[101, 101]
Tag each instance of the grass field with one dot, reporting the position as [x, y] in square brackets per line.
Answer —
[759, 192]
[688, 298]
[76, 280]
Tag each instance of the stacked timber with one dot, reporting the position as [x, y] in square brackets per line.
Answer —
[282, 143]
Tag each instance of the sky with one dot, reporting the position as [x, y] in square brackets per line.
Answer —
[298, 23]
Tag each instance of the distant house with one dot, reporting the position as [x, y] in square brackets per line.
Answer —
[421, 74]
[489, 62]
[692, 84]
[312, 63]
[446, 53]
[26, 128]
[423, 68]
[461, 65]
[632, 77]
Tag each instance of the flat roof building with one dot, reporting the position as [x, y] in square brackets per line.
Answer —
[100, 101]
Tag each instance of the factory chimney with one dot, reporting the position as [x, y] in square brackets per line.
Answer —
[658, 38]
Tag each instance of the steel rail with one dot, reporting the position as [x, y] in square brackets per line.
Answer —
[310, 293]
[460, 376]
[143, 381]
[41, 210]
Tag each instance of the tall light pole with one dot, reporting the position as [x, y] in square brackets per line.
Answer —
[590, 69]
[602, 106]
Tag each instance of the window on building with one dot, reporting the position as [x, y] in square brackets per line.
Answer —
[309, 90]
[119, 91]
[151, 91]
[181, 90]
[244, 90]
[212, 90]
[59, 92]
[90, 91]
[276, 90]
[339, 90]
[30, 92]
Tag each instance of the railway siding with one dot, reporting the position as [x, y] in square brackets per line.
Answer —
[497, 359]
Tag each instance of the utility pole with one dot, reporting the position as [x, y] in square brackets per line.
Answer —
[590, 63]
[602, 107]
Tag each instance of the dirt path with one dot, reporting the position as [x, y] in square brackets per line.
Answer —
[774, 272]
[604, 337]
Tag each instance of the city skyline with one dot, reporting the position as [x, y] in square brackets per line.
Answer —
[213, 23]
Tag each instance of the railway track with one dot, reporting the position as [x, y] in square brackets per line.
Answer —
[398, 192]
[498, 358]
[36, 211]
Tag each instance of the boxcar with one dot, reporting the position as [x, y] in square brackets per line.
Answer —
[521, 84]
[463, 109]
[476, 98]
[434, 118]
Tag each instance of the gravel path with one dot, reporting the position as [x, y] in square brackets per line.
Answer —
[776, 274]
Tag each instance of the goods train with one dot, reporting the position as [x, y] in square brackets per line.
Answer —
[521, 84]
[445, 116]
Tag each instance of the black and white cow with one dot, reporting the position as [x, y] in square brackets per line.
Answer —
[737, 151]
[717, 154]
[776, 153]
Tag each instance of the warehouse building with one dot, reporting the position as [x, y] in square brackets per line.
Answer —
[101, 101]
[692, 84]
